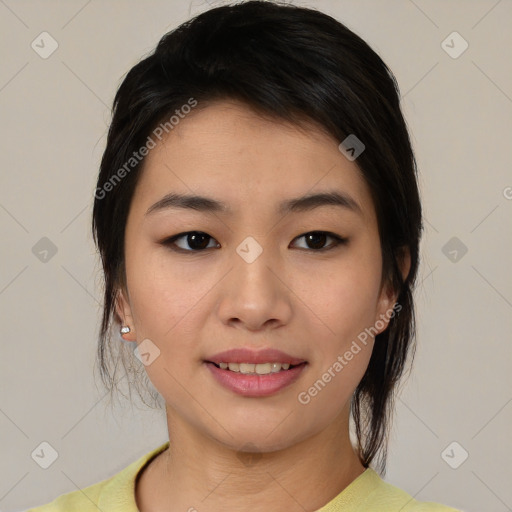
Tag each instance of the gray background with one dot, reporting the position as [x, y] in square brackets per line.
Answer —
[55, 113]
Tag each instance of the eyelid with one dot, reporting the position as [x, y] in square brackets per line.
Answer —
[338, 240]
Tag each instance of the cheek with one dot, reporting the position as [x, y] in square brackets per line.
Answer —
[343, 299]
[164, 304]
[170, 303]
[344, 303]
[162, 294]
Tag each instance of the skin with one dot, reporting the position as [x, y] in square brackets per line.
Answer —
[294, 297]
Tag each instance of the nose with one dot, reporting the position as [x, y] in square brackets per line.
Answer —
[255, 295]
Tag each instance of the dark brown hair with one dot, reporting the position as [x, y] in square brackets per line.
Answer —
[293, 64]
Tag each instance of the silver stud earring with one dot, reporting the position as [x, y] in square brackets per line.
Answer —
[125, 329]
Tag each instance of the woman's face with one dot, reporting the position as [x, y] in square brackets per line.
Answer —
[256, 277]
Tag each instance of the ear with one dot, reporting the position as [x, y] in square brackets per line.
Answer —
[124, 314]
[388, 296]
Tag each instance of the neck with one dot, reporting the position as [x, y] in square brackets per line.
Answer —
[197, 472]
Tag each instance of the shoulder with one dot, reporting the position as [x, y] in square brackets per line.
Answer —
[427, 506]
[116, 492]
[369, 492]
[387, 497]
[84, 500]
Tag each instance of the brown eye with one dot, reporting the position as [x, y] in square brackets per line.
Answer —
[196, 241]
[316, 240]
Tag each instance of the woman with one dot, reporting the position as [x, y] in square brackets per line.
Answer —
[258, 219]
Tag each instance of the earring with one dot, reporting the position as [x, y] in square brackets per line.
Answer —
[125, 330]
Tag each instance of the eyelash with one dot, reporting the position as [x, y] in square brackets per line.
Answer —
[170, 242]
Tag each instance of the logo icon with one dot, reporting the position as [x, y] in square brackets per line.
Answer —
[454, 455]
[249, 249]
[454, 249]
[44, 455]
[454, 45]
[44, 45]
[351, 147]
[146, 352]
[249, 454]
[44, 250]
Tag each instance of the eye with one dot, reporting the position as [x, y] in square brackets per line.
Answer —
[316, 239]
[196, 240]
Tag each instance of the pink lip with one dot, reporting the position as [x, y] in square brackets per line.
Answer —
[255, 385]
[245, 355]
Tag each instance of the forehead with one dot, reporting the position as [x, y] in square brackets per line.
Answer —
[228, 151]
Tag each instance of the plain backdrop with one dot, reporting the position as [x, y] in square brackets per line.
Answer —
[451, 438]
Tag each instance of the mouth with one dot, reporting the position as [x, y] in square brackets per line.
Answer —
[256, 369]
[255, 380]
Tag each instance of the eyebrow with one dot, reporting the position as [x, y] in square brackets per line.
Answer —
[299, 204]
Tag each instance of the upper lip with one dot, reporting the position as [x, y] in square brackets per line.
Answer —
[245, 355]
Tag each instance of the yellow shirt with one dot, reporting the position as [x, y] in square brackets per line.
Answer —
[367, 493]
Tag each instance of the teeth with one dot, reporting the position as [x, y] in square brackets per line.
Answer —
[257, 369]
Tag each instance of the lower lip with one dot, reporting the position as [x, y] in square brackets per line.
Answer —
[256, 385]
